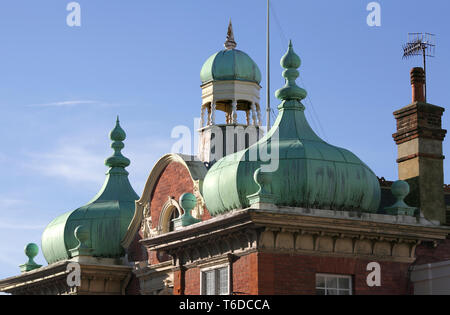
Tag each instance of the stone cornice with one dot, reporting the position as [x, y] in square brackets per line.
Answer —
[51, 273]
[52, 279]
[299, 231]
[224, 224]
[415, 107]
[348, 223]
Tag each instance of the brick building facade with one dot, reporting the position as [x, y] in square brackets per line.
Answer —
[320, 223]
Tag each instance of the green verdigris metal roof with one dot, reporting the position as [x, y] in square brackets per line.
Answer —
[230, 64]
[311, 173]
[106, 216]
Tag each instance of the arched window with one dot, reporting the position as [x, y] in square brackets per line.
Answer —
[173, 216]
[170, 211]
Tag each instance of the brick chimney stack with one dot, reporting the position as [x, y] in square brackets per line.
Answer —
[420, 161]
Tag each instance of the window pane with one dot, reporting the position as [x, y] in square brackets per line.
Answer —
[344, 283]
[332, 292]
[344, 292]
[320, 291]
[332, 282]
[320, 282]
[223, 281]
[209, 283]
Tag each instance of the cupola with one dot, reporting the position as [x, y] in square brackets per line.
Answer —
[230, 84]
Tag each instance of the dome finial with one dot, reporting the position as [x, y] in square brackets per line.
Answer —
[290, 62]
[117, 135]
[230, 43]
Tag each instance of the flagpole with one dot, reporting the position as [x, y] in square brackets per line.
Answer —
[268, 67]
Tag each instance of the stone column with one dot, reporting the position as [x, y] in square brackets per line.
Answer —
[208, 123]
[213, 113]
[258, 111]
[202, 117]
[234, 112]
[253, 108]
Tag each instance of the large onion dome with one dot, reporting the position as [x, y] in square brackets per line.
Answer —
[230, 64]
[310, 173]
[105, 218]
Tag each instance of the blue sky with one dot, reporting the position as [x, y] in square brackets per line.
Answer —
[61, 87]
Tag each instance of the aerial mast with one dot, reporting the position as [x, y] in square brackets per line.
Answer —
[420, 44]
[268, 67]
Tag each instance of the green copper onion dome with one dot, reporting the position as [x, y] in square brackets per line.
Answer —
[105, 218]
[230, 64]
[308, 172]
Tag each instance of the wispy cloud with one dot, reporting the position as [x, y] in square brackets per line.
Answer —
[72, 103]
[81, 161]
[18, 226]
[12, 208]
[11, 203]
[75, 163]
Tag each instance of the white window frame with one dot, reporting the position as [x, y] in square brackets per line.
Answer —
[326, 275]
[217, 267]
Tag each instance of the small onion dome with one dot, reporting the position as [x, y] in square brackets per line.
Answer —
[105, 218]
[230, 64]
[310, 172]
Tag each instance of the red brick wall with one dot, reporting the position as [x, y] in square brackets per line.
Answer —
[245, 275]
[285, 274]
[192, 281]
[174, 181]
[427, 254]
[137, 252]
[281, 274]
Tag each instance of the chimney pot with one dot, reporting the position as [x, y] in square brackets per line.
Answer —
[418, 85]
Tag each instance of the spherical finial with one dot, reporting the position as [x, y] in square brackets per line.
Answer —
[31, 250]
[188, 201]
[400, 189]
[82, 234]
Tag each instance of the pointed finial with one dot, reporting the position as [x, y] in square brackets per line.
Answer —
[290, 62]
[117, 135]
[230, 43]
